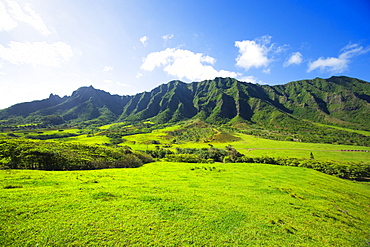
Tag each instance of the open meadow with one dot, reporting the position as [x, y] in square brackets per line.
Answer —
[250, 145]
[175, 123]
[182, 204]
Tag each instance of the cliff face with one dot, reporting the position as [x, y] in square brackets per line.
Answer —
[337, 100]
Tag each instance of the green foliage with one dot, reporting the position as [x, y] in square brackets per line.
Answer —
[51, 136]
[159, 152]
[303, 131]
[52, 120]
[204, 153]
[346, 170]
[197, 131]
[23, 154]
[186, 158]
[233, 153]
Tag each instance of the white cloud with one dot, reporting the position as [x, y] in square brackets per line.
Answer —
[184, 64]
[295, 58]
[138, 75]
[107, 68]
[266, 71]
[144, 40]
[6, 21]
[167, 37]
[339, 64]
[37, 53]
[254, 53]
[28, 15]
[251, 79]
[115, 83]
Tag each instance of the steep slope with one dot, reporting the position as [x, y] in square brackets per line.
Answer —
[338, 100]
[168, 102]
[25, 109]
[86, 103]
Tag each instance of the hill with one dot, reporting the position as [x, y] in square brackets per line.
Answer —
[340, 101]
[181, 204]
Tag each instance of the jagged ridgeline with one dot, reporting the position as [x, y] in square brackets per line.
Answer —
[341, 101]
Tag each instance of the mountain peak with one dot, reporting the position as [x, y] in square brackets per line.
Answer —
[335, 100]
[54, 96]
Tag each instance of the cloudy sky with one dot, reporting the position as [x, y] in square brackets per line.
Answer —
[126, 47]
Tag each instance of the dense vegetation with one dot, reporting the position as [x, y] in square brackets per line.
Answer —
[305, 132]
[24, 154]
[17, 152]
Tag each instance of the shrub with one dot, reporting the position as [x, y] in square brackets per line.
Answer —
[159, 152]
[186, 158]
[25, 154]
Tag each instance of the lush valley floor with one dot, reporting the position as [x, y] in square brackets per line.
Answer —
[182, 204]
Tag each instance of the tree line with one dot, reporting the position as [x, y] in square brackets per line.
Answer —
[346, 170]
[27, 154]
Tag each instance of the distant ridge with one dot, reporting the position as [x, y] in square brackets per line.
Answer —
[341, 101]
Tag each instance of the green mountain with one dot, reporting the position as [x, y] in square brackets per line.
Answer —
[340, 101]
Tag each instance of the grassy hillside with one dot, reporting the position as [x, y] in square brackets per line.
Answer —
[180, 204]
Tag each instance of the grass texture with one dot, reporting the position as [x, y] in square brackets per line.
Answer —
[181, 204]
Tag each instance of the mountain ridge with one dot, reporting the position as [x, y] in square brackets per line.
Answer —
[338, 100]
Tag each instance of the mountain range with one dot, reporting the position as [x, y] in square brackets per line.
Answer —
[341, 101]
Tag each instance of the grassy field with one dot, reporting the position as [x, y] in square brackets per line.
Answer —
[177, 204]
[256, 147]
[362, 132]
[249, 145]
[182, 204]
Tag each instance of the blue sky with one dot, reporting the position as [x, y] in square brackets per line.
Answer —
[126, 47]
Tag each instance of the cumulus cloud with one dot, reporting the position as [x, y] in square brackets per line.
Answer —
[251, 79]
[295, 58]
[144, 40]
[340, 63]
[15, 13]
[107, 68]
[37, 53]
[184, 64]
[254, 53]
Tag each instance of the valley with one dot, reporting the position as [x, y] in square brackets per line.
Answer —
[272, 169]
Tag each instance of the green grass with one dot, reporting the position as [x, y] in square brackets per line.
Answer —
[362, 132]
[107, 126]
[177, 204]
[256, 147]
[86, 139]
[249, 145]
